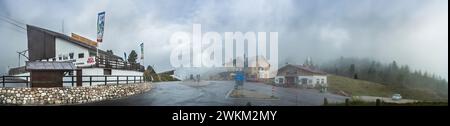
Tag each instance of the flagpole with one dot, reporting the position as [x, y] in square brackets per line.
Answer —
[143, 59]
[98, 46]
[142, 54]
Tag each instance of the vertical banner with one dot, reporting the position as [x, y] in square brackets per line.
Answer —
[125, 56]
[100, 26]
[142, 50]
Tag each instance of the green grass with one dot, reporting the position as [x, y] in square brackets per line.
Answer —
[421, 94]
[365, 88]
[357, 87]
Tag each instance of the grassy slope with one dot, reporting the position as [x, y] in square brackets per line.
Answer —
[366, 88]
[357, 87]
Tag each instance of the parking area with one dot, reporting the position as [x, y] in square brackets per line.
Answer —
[214, 93]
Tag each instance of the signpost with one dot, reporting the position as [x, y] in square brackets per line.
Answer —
[240, 78]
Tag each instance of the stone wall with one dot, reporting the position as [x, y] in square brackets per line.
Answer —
[69, 95]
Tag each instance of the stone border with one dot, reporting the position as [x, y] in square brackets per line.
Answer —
[69, 95]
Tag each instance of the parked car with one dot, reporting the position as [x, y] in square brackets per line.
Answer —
[396, 97]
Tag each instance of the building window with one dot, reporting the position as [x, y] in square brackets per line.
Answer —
[71, 55]
[65, 57]
[323, 81]
[59, 57]
[318, 81]
[80, 55]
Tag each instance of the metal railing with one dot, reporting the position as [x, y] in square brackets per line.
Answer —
[116, 64]
[72, 80]
[15, 80]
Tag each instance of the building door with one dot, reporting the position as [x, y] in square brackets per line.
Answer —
[290, 80]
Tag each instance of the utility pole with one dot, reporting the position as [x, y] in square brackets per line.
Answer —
[23, 54]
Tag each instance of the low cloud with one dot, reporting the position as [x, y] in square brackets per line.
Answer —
[413, 32]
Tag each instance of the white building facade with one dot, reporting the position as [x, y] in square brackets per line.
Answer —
[89, 60]
[300, 75]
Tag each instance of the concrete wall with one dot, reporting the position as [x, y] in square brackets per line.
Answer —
[114, 72]
[69, 95]
[95, 71]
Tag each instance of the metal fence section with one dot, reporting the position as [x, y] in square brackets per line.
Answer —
[90, 80]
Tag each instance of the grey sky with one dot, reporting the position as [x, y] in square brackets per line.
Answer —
[413, 32]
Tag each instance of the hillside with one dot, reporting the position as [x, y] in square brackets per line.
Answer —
[354, 87]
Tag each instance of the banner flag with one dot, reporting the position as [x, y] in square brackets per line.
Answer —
[142, 50]
[100, 26]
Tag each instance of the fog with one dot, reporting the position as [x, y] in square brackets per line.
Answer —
[412, 32]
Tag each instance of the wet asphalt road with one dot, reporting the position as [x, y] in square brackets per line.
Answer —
[214, 93]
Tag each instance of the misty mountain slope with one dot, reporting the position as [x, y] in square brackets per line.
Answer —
[355, 87]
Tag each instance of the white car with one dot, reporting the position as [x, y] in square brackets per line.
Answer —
[396, 97]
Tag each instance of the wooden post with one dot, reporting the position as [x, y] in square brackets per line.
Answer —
[273, 91]
[347, 102]
[90, 80]
[117, 79]
[72, 80]
[325, 101]
[3, 81]
[134, 79]
[27, 81]
[106, 80]
[378, 102]
[79, 78]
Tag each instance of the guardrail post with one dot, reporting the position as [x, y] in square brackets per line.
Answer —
[134, 79]
[347, 102]
[140, 79]
[3, 81]
[117, 79]
[325, 101]
[127, 79]
[378, 102]
[26, 81]
[72, 81]
[106, 80]
[90, 80]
